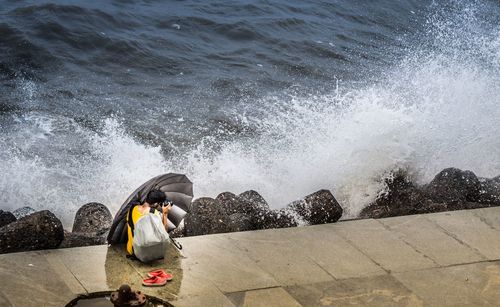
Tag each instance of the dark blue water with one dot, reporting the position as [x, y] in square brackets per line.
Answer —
[280, 96]
[139, 58]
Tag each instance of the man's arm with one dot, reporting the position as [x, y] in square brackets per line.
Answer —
[164, 216]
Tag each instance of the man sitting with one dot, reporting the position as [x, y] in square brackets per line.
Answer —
[154, 199]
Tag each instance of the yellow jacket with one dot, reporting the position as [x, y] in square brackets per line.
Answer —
[136, 215]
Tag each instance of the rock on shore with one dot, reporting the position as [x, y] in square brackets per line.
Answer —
[23, 211]
[489, 192]
[317, 208]
[451, 189]
[229, 212]
[401, 198]
[453, 185]
[279, 219]
[6, 218]
[91, 226]
[246, 211]
[92, 217]
[206, 217]
[40, 230]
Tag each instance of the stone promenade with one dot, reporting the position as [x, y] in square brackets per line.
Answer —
[442, 259]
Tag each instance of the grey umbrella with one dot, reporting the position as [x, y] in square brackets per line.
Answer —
[178, 189]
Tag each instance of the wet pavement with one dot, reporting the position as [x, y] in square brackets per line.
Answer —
[441, 259]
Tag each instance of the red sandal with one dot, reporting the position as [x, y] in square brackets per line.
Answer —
[161, 273]
[154, 281]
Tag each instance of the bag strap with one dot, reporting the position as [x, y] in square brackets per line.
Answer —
[129, 220]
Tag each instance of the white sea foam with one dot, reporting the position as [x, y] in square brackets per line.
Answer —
[53, 163]
[439, 107]
[439, 115]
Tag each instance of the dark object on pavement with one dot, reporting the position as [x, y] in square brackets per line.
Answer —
[125, 297]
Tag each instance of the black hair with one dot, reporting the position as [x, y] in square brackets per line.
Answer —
[155, 196]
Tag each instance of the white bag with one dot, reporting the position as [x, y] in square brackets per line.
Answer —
[151, 240]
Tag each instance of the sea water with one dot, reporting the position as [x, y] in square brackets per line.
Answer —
[283, 97]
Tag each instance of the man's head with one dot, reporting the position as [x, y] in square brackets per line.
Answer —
[155, 196]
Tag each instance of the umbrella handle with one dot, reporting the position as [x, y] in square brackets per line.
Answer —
[176, 244]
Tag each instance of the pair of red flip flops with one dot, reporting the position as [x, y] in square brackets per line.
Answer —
[157, 278]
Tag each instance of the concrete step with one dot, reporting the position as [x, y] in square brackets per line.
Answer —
[442, 259]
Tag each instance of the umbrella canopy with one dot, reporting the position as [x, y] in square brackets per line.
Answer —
[178, 189]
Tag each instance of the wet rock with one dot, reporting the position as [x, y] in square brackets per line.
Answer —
[473, 205]
[92, 218]
[91, 226]
[255, 198]
[451, 189]
[453, 185]
[320, 207]
[240, 222]
[206, 217]
[40, 230]
[252, 205]
[78, 239]
[278, 219]
[401, 197]
[431, 207]
[6, 218]
[489, 193]
[23, 211]
[230, 203]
